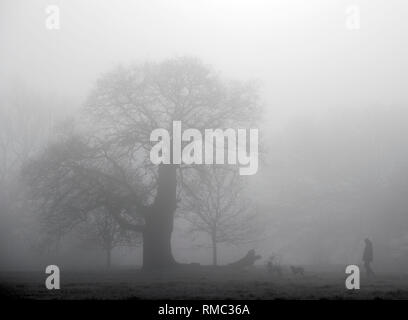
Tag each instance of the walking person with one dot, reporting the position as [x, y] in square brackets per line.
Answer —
[368, 257]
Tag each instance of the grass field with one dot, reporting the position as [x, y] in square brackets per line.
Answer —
[209, 284]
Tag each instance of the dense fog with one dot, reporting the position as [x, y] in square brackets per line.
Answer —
[333, 166]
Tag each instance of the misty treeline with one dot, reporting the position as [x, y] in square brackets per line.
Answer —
[86, 180]
[26, 122]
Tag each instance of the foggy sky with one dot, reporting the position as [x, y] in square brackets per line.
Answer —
[300, 51]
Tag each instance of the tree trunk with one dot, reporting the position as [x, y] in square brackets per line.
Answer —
[108, 258]
[157, 252]
[214, 250]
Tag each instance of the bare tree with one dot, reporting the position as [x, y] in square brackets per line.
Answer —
[71, 186]
[102, 230]
[217, 205]
[124, 108]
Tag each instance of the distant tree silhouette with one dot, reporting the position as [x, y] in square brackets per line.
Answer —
[71, 189]
[217, 205]
[103, 231]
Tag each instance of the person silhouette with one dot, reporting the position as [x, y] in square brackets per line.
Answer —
[368, 257]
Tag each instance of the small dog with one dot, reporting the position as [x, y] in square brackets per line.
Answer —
[297, 270]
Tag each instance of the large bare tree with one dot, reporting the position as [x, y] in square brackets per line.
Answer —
[126, 105]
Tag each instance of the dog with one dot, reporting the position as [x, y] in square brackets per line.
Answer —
[297, 270]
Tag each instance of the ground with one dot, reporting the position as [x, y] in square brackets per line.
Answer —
[255, 283]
